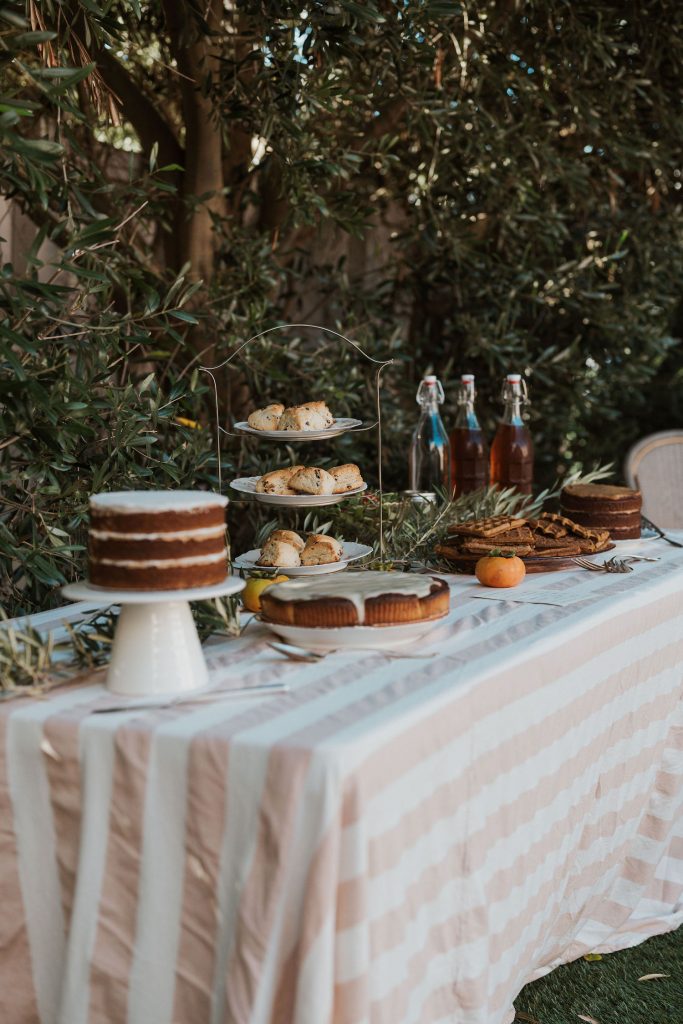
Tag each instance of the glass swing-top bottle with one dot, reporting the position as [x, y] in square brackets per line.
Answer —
[469, 450]
[512, 452]
[429, 458]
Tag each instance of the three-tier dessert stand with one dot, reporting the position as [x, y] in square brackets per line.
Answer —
[247, 485]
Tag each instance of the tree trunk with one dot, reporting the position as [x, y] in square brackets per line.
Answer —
[196, 55]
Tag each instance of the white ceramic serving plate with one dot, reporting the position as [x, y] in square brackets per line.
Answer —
[340, 426]
[352, 637]
[104, 596]
[247, 485]
[350, 553]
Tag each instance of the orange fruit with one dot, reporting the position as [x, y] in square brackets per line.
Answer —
[500, 570]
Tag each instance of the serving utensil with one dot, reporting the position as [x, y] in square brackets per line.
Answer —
[618, 565]
[660, 532]
[301, 654]
[212, 696]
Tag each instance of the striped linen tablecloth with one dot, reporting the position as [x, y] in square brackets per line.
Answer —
[393, 841]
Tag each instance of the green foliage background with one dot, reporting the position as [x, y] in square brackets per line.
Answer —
[463, 187]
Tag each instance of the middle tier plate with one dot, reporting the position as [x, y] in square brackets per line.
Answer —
[350, 553]
[340, 426]
[247, 485]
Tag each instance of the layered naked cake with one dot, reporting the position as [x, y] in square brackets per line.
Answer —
[604, 507]
[356, 599]
[157, 540]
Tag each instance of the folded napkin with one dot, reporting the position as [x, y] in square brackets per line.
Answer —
[560, 589]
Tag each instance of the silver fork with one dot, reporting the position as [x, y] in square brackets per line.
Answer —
[613, 564]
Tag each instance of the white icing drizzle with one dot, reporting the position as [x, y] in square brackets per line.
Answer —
[202, 533]
[155, 501]
[161, 563]
[356, 587]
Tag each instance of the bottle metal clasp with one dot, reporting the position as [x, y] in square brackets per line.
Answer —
[430, 387]
[516, 389]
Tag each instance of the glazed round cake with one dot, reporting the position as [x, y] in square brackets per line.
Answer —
[157, 540]
[604, 506]
[356, 599]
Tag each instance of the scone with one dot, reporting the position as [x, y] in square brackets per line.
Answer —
[311, 416]
[288, 537]
[266, 419]
[321, 550]
[311, 480]
[346, 477]
[279, 553]
[277, 481]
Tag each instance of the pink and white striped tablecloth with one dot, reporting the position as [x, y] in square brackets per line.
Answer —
[392, 841]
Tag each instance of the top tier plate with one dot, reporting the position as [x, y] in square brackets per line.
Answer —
[340, 426]
[247, 485]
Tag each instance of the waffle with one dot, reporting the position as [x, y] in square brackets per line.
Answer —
[548, 527]
[549, 535]
[522, 535]
[542, 543]
[568, 550]
[551, 520]
[482, 546]
[491, 527]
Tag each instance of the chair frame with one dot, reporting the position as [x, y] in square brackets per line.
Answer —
[642, 448]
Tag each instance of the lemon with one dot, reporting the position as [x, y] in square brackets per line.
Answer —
[251, 595]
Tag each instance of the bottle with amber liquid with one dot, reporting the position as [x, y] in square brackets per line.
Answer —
[469, 450]
[512, 452]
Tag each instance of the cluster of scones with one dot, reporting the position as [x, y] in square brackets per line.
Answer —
[311, 480]
[287, 550]
[310, 416]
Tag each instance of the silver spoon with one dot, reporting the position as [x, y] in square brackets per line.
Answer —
[301, 654]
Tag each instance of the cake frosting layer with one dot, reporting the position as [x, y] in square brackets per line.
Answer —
[130, 502]
[157, 576]
[604, 520]
[203, 533]
[164, 546]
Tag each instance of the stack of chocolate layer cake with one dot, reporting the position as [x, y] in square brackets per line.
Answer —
[157, 540]
[547, 535]
[604, 507]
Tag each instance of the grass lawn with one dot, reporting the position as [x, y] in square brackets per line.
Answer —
[608, 990]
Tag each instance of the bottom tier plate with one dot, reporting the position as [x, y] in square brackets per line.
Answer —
[352, 637]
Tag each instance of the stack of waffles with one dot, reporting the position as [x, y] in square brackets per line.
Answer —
[548, 535]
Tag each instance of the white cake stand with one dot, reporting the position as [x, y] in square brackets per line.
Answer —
[156, 648]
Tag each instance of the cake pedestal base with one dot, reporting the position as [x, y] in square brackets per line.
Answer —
[156, 649]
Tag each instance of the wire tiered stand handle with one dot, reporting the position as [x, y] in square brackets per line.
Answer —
[341, 426]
